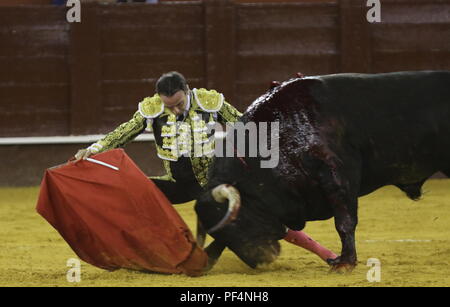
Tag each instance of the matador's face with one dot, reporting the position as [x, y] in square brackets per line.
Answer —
[176, 103]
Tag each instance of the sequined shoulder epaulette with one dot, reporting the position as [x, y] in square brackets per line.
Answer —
[151, 107]
[208, 100]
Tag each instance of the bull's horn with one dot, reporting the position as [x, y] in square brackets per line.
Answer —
[221, 194]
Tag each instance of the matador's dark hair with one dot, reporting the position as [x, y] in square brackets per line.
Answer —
[170, 83]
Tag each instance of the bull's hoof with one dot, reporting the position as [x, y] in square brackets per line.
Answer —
[340, 266]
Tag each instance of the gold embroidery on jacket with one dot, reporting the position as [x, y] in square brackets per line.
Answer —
[189, 138]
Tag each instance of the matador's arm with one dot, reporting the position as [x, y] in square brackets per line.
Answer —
[122, 135]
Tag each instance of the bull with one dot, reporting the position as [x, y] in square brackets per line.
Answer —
[341, 136]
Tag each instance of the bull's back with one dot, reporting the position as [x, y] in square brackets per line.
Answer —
[399, 122]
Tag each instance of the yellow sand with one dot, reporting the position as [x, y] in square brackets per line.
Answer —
[33, 254]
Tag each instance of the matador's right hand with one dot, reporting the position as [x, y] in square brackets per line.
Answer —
[87, 152]
[83, 154]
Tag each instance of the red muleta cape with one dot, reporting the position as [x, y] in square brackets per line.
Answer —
[118, 218]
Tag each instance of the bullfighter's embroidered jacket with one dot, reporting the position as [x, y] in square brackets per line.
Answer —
[186, 137]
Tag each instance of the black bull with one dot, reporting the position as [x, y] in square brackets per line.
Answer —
[341, 137]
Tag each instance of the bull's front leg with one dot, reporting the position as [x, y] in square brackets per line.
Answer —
[340, 187]
[345, 220]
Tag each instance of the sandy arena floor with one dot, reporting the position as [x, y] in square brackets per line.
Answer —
[411, 240]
